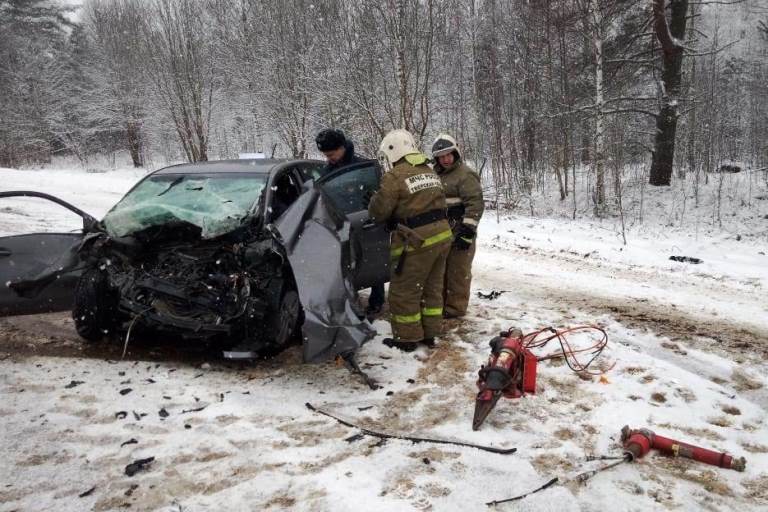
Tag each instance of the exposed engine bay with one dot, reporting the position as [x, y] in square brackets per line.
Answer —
[169, 279]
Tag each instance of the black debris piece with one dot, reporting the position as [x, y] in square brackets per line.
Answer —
[187, 426]
[221, 397]
[390, 393]
[166, 397]
[125, 391]
[356, 437]
[382, 435]
[138, 465]
[492, 295]
[138, 416]
[120, 415]
[685, 259]
[87, 493]
[150, 381]
[198, 409]
[132, 440]
[123, 383]
[121, 374]
[425, 460]
[410, 381]
[132, 488]
[365, 408]
[163, 413]
[73, 384]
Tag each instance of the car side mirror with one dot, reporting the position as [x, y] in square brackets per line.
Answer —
[90, 224]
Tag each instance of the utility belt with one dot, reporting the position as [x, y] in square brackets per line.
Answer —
[423, 219]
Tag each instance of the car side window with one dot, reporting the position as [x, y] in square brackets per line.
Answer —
[312, 171]
[285, 190]
[347, 187]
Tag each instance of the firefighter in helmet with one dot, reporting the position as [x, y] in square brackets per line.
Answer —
[412, 204]
[464, 197]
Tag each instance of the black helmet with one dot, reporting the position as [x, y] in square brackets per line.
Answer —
[445, 144]
[330, 139]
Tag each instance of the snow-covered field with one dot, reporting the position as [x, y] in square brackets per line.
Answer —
[689, 343]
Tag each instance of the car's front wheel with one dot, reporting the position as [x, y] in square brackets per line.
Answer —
[95, 308]
[284, 323]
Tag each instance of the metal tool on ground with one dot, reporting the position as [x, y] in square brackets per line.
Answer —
[511, 367]
[581, 478]
[638, 443]
[413, 439]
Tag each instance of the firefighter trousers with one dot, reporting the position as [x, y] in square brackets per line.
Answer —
[458, 279]
[416, 294]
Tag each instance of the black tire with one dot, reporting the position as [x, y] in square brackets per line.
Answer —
[95, 309]
[284, 323]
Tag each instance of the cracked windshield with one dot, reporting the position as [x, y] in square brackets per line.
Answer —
[214, 203]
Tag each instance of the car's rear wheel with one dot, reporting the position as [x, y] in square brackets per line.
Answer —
[95, 308]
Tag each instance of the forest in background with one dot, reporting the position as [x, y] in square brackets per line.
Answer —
[573, 96]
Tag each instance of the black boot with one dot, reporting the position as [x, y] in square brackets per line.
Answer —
[428, 342]
[405, 346]
[372, 311]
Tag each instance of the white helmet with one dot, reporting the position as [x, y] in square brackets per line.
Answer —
[394, 146]
[443, 145]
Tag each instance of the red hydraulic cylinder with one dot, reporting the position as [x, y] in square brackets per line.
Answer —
[638, 442]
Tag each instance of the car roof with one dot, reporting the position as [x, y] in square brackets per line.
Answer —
[254, 165]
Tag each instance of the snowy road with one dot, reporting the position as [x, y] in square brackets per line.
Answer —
[688, 342]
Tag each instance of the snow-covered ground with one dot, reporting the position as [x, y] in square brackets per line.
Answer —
[689, 343]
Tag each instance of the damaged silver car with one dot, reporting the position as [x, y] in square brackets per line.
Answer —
[249, 253]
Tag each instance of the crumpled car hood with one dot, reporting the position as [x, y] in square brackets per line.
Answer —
[315, 246]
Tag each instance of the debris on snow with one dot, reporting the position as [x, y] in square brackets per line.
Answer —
[686, 259]
[138, 465]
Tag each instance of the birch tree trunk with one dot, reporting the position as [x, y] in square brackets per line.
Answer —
[599, 156]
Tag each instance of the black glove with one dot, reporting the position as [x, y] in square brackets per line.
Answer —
[465, 235]
[367, 196]
[391, 224]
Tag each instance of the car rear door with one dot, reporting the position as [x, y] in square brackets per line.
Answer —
[26, 256]
[346, 188]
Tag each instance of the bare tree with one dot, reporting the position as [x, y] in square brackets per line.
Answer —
[116, 66]
[178, 54]
[670, 33]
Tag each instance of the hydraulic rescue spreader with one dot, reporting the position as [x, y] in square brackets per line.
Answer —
[511, 367]
[511, 372]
